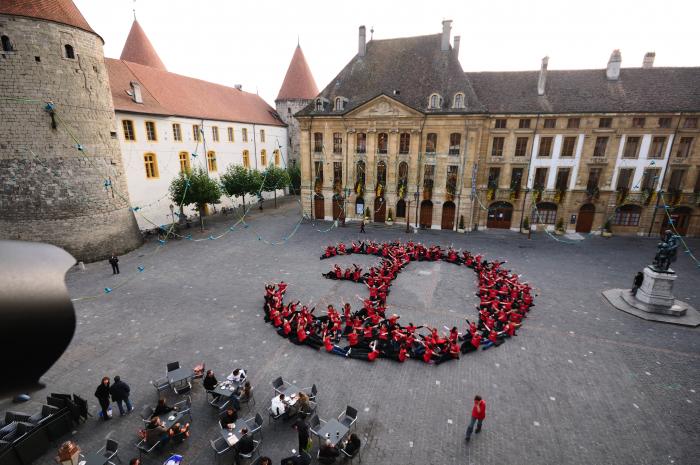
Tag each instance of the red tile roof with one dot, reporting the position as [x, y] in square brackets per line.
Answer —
[299, 83]
[138, 49]
[59, 11]
[170, 94]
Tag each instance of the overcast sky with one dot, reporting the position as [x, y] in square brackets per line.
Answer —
[251, 42]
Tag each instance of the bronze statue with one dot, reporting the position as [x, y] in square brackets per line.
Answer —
[666, 251]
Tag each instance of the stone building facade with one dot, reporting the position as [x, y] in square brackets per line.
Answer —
[51, 191]
[403, 132]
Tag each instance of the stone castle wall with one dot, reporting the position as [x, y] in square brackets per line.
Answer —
[49, 190]
[286, 110]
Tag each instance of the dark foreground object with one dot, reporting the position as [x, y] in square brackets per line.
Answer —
[37, 320]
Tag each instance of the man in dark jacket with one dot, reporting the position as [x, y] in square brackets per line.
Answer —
[102, 394]
[114, 261]
[120, 394]
[303, 433]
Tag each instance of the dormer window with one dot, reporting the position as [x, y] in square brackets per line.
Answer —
[435, 101]
[319, 105]
[322, 104]
[340, 103]
[459, 100]
[70, 53]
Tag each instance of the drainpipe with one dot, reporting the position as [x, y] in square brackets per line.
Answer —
[663, 179]
[527, 176]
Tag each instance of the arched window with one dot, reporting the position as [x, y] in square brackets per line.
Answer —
[404, 143]
[546, 213]
[263, 157]
[6, 44]
[459, 100]
[431, 143]
[382, 142]
[628, 215]
[381, 178]
[246, 159]
[70, 53]
[339, 103]
[277, 157]
[360, 178]
[211, 160]
[402, 184]
[151, 164]
[435, 101]
[319, 105]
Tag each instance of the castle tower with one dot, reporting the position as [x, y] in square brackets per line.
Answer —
[297, 91]
[61, 174]
[138, 49]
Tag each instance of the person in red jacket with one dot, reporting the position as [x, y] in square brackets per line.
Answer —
[478, 416]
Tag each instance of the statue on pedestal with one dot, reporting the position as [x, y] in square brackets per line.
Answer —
[666, 252]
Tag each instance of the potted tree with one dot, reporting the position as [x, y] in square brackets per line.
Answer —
[390, 217]
[526, 225]
[607, 229]
[460, 227]
[559, 229]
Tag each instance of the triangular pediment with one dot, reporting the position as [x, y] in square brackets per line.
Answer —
[383, 106]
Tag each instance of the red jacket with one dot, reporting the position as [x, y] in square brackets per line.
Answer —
[479, 409]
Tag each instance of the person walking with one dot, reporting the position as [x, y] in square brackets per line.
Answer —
[102, 394]
[114, 261]
[478, 415]
[638, 280]
[120, 394]
[362, 226]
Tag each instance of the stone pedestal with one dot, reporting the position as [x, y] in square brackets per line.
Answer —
[655, 295]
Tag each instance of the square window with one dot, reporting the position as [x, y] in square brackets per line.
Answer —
[665, 122]
[573, 123]
[550, 123]
[638, 122]
[524, 123]
[500, 123]
[605, 123]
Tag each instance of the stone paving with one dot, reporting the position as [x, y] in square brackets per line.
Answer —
[582, 383]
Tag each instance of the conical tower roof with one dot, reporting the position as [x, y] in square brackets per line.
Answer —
[138, 49]
[58, 11]
[299, 83]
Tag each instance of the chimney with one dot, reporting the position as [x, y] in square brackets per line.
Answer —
[362, 42]
[446, 28]
[613, 71]
[456, 45]
[648, 60]
[136, 92]
[543, 76]
[238, 86]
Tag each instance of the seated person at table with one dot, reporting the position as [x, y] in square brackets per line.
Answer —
[229, 417]
[162, 408]
[352, 445]
[302, 405]
[209, 382]
[278, 405]
[328, 453]
[156, 431]
[238, 376]
[245, 444]
[245, 393]
[180, 432]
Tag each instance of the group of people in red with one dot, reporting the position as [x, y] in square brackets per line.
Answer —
[369, 333]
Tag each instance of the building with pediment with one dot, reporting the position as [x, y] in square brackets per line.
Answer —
[402, 132]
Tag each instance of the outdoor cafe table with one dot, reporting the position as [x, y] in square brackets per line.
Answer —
[225, 389]
[180, 375]
[93, 458]
[228, 434]
[289, 390]
[329, 431]
[175, 415]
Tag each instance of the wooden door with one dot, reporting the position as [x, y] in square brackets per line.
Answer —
[426, 214]
[448, 215]
[338, 208]
[379, 210]
[584, 222]
[319, 207]
[681, 219]
[499, 215]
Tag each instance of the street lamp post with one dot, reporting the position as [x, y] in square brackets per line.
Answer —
[415, 199]
[408, 214]
[346, 191]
